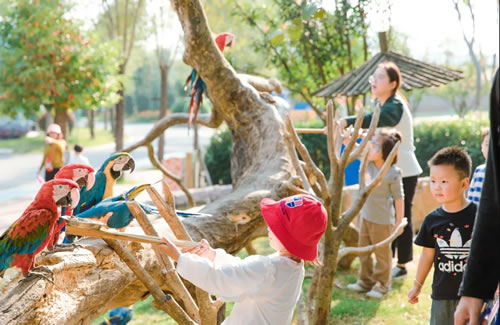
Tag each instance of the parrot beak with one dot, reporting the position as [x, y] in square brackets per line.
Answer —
[229, 40]
[134, 192]
[129, 165]
[90, 180]
[75, 197]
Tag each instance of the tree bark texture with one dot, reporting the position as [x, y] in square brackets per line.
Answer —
[163, 108]
[61, 118]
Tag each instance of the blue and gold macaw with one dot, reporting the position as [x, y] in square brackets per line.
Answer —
[115, 213]
[105, 179]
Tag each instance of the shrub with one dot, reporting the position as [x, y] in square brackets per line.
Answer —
[218, 156]
[429, 137]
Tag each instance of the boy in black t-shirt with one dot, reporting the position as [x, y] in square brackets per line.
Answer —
[445, 233]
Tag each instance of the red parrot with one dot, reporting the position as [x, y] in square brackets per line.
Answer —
[83, 175]
[197, 85]
[31, 233]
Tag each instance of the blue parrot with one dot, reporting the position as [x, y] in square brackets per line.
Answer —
[105, 179]
[115, 213]
[119, 316]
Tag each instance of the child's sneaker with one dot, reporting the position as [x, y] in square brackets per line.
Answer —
[356, 287]
[398, 272]
[374, 294]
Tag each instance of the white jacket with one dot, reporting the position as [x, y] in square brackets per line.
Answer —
[265, 289]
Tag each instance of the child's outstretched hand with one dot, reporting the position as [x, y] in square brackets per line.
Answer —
[170, 249]
[203, 250]
[413, 294]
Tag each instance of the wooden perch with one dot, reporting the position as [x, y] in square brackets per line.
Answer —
[171, 276]
[369, 249]
[309, 130]
[113, 234]
[165, 302]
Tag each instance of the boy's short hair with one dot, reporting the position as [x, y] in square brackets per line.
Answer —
[78, 148]
[484, 133]
[454, 156]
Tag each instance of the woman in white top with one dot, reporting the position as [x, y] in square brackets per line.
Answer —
[394, 112]
[265, 289]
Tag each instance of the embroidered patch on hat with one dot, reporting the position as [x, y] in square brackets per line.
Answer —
[295, 201]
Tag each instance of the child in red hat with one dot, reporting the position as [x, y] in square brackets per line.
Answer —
[265, 289]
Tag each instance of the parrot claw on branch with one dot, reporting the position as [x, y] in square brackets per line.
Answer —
[61, 248]
[40, 271]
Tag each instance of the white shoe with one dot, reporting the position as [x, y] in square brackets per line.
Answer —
[374, 294]
[356, 287]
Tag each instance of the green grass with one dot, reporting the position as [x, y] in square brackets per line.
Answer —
[347, 307]
[355, 308]
[78, 136]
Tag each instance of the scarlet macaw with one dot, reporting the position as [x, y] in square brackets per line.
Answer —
[84, 176]
[197, 85]
[31, 233]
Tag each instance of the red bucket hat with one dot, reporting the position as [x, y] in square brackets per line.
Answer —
[298, 221]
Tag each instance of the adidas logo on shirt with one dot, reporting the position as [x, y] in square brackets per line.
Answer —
[455, 252]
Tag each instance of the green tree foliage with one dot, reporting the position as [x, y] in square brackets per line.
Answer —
[46, 59]
[309, 45]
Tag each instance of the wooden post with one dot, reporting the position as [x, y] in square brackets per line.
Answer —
[189, 170]
[382, 40]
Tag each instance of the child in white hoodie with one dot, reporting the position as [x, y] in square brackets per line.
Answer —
[265, 289]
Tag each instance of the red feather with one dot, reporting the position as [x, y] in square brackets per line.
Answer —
[67, 171]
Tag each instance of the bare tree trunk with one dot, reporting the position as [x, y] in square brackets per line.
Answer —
[478, 69]
[119, 122]
[470, 46]
[91, 122]
[163, 109]
[61, 118]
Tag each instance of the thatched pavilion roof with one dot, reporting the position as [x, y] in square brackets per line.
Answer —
[415, 74]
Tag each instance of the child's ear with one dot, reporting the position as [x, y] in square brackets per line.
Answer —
[465, 183]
